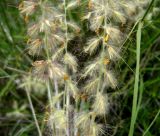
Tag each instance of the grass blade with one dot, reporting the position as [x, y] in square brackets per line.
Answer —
[136, 84]
[151, 123]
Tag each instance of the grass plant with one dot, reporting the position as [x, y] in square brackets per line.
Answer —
[79, 68]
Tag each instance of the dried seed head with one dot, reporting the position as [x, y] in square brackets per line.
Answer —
[110, 79]
[27, 7]
[101, 104]
[59, 119]
[72, 87]
[87, 126]
[83, 120]
[86, 16]
[94, 129]
[31, 83]
[96, 22]
[58, 54]
[55, 70]
[71, 61]
[44, 25]
[91, 86]
[72, 4]
[33, 30]
[48, 69]
[92, 45]
[35, 46]
[113, 52]
[74, 27]
[91, 69]
[130, 8]
[115, 35]
[119, 16]
[59, 37]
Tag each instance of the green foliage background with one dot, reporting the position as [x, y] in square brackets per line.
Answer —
[14, 62]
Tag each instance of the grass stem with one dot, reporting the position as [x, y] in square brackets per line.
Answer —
[136, 84]
[152, 123]
[33, 113]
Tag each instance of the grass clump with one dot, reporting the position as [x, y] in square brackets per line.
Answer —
[82, 64]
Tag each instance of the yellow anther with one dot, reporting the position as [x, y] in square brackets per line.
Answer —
[65, 77]
[106, 38]
[106, 61]
[26, 18]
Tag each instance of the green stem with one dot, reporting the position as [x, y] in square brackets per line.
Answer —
[150, 5]
[152, 123]
[50, 102]
[49, 96]
[33, 113]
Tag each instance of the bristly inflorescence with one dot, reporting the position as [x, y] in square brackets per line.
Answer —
[106, 19]
[50, 30]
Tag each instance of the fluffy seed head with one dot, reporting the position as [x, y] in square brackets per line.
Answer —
[32, 84]
[83, 120]
[101, 104]
[72, 87]
[96, 22]
[27, 7]
[119, 16]
[35, 46]
[95, 129]
[110, 79]
[92, 45]
[91, 85]
[74, 27]
[92, 68]
[113, 52]
[48, 69]
[115, 35]
[129, 7]
[71, 61]
[57, 98]
[72, 4]
[59, 119]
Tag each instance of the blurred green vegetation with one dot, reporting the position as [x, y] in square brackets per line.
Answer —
[14, 62]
